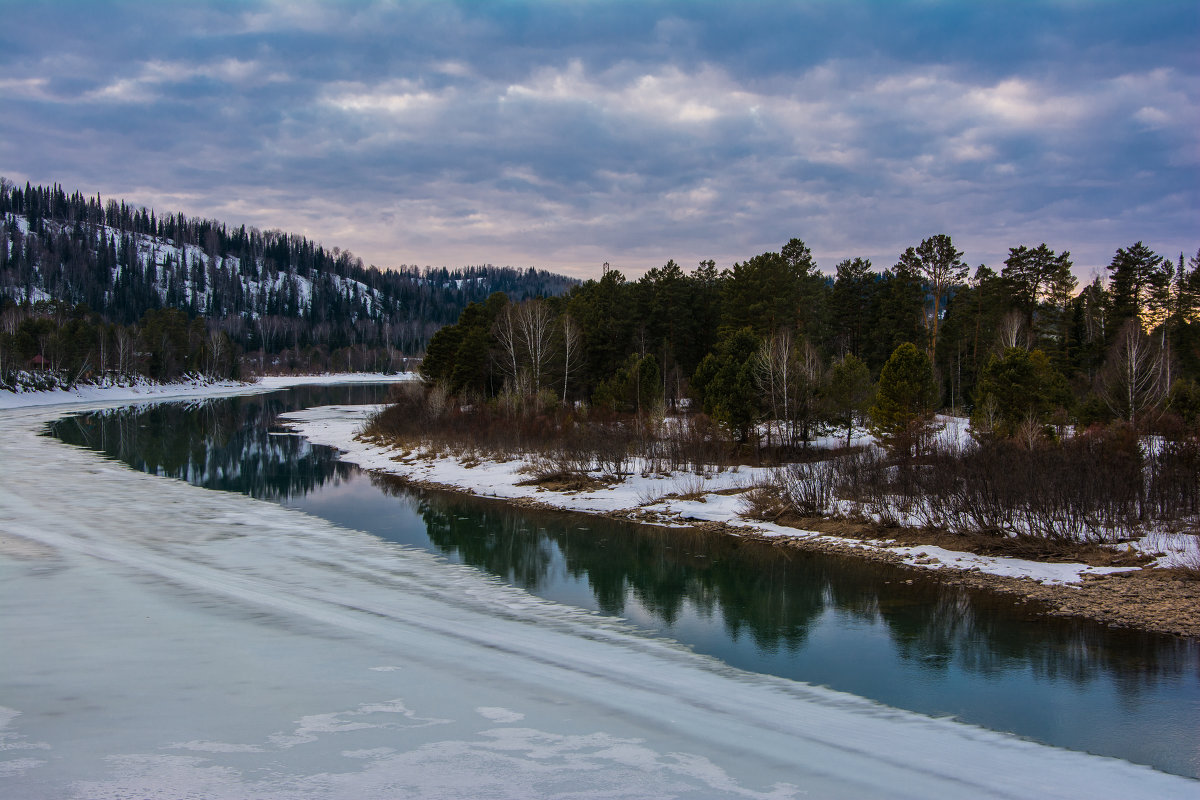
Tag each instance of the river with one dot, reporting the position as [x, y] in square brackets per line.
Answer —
[859, 627]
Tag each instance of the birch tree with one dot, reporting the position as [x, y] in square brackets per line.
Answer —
[775, 373]
[535, 330]
[571, 343]
[505, 331]
[124, 342]
[1133, 381]
[267, 326]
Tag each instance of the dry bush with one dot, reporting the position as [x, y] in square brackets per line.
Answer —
[1089, 488]
[690, 487]
[1100, 487]
[575, 441]
[651, 495]
[1189, 560]
[612, 444]
[765, 501]
[693, 444]
[1173, 480]
[810, 487]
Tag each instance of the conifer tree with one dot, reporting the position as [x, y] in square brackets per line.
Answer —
[904, 401]
[940, 267]
[1135, 272]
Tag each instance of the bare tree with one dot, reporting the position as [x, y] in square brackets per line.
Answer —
[267, 326]
[102, 350]
[389, 344]
[1013, 332]
[572, 341]
[11, 320]
[535, 327]
[775, 373]
[1132, 382]
[789, 373]
[506, 332]
[124, 351]
[216, 350]
[809, 374]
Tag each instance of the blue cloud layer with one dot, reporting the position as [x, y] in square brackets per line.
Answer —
[568, 134]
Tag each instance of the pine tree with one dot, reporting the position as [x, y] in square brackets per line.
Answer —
[1135, 274]
[940, 267]
[904, 401]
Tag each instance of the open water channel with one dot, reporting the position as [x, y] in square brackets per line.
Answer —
[864, 628]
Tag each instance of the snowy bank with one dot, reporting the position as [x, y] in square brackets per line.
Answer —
[142, 389]
[711, 497]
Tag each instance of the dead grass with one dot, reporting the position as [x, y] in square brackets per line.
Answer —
[691, 487]
[765, 502]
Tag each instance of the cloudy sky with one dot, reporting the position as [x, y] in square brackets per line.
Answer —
[566, 134]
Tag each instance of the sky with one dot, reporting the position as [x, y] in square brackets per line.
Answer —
[563, 135]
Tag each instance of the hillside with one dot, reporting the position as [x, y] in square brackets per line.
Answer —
[267, 290]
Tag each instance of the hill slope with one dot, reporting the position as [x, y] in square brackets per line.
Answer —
[261, 287]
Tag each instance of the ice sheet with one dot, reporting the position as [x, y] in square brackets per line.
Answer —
[164, 641]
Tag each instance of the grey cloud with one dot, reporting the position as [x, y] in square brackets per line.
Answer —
[562, 135]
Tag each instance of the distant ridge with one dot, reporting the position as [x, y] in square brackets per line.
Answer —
[123, 260]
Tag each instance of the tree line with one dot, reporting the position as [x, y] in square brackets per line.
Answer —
[772, 349]
[55, 344]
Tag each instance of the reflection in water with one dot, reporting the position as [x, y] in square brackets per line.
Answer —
[224, 444]
[850, 624]
[775, 596]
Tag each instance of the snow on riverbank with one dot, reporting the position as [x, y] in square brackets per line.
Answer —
[337, 426]
[141, 389]
[162, 639]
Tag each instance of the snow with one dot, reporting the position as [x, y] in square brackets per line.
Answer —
[163, 640]
[640, 495]
[152, 250]
[142, 389]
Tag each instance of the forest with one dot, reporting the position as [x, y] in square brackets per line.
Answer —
[86, 282]
[775, 339]
[703, 370]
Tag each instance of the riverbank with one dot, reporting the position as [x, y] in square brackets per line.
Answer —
[132, 391]
[1136, 589]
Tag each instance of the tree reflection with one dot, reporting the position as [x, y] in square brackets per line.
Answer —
[775, 596]
[224, 444]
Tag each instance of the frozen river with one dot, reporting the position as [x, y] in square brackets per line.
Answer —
[160, 640]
